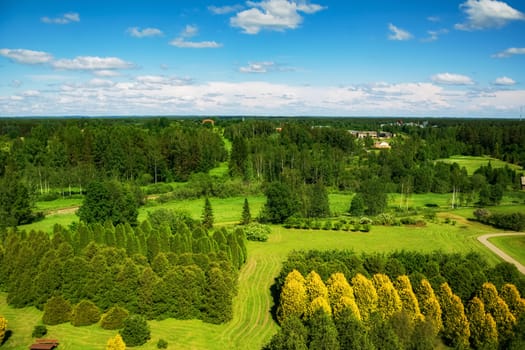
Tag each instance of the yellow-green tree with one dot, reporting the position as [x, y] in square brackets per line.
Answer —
[499, 310]
[483, 331]
[315, 288]
[388, 302]
[429, 306]
[510, 294]
[293, 298]
[3, 327]
[456, 330]
[408, 298]
[116, 343]
[341, 295]
[319, 303]
[365, 295]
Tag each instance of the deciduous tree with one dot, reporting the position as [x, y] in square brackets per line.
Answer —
[483, 332]
[429, 306]
[116, 343]
[3, 328]
[293, 298]
[365, 295]
[456, 330]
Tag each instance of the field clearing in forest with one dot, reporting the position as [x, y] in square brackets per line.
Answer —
[472, 163]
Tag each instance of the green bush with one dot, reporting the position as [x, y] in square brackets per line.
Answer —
[257, 232]
[114, 318]
[57, 310]
[39, 331]
[327, 225]
[162, 344]
[136, 331]
[85, 313]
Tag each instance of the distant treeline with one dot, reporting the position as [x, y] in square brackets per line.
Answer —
[168, 266]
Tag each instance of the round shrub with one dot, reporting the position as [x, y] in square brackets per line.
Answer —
[162, 344]
[257, 232]
[136, 331]
[57, 310]
[85, 313]
[114, 318]
[39, 331]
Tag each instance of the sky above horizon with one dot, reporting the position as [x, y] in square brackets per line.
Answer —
[413, 58]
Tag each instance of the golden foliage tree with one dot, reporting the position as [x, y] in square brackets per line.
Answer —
[456, 330]
[499, 310]
[116, 343]
[365, 295]
[483, 331]
[389, 302]
[510, 294]
[408, 297]
[429, 305]
[341, 295]
[315, 288]
[3, 327]
[319, 303]
[293, 298]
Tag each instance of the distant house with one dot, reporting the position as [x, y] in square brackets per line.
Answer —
[382, 145]
[523, 182]
[364, 134]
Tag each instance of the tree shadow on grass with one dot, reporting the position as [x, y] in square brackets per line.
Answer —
[275, 297]
[7, 335]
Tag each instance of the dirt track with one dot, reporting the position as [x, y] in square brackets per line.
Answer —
[485, 241]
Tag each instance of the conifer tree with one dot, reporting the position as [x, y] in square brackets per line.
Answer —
[114, 318]
[315, 288]
[293, 335]
[510, 294]
[341, 295]
[352, 332]
[319, 303]
[57, 310]
[3, 328]
[483, 332]
[246, 215]
[116, 343]
[85, 313]
[207, 214]
[499, 310]
[429, 306]
[388, 302]
[408, 297]
[322, 331]
[293, 299]
[365, 295]
[456, 330]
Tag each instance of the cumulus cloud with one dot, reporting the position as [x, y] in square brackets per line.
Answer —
[264, 67]
[190, 31]
[136, 32]
[26, 56]
[276, 15]
[452, 79]
[505, 81]
[64, 19]
[398, 33]
[92, 63]
[510, 52]
[486, 14]
[223, 10]
[434, 35]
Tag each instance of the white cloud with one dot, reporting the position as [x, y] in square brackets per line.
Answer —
[106, 73]
[26, 56]
[31, 93]
[190, 31]
[257, 67]
[434, 35]
[434, 19]
[136, 32]
[223, 10]
[486, 14]
[91, 63]
[398, 33]
[504, 81]
[97, 82]
[510, 52]
[65, 19]
[452, 79]
[276, 15]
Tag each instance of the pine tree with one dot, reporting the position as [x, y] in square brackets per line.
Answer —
[322, 332]
[293, 299]
[114, 318]
[85, 313]
[429, 306]
[483, 332]
[246, 216]
[116, 343]
[365, 295]
[388, 302]
[207, 214]
[455, 323]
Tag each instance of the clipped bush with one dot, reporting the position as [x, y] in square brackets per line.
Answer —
[57, 310]
[114, 318]
[39, 331]
[327, 225]
[257, 232]
[162, 344]
[136, 331]
[85, 313]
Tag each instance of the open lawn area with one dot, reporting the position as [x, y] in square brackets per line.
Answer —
[252, 325]
[512, 245]
[472, 163]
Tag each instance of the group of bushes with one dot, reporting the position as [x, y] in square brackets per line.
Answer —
[507, 221]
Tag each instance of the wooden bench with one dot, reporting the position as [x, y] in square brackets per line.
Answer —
[44, 344]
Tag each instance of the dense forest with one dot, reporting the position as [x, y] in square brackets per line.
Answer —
[403, 300]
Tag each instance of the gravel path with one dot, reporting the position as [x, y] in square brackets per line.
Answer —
[485, 241]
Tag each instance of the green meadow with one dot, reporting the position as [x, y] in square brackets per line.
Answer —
[512, 245]
[472, 163]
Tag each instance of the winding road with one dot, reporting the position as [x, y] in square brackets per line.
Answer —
[485, 241]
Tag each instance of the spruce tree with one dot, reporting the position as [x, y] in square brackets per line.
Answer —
[315, 288]
[293, 298]
[322, 332]
[429, 306]
[483, 332]
[365, 295]
[246, 215]
[510, 294]
[456, 330]
[207, 214]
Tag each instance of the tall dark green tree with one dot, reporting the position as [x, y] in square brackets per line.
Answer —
[281, 203]
[374, 196]
[136, 331]
[322, 332]
[15, 201]
[246, 215]
[207, 214]
[318, 207]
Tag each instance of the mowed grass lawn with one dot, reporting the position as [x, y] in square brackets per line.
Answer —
[472, 163]
[512, 245]
[252, 325]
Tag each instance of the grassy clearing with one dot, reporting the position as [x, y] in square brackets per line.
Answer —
[512, 245]
[59, 204]
[473, 163]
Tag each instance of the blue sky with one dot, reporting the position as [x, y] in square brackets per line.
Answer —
[450, 58]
